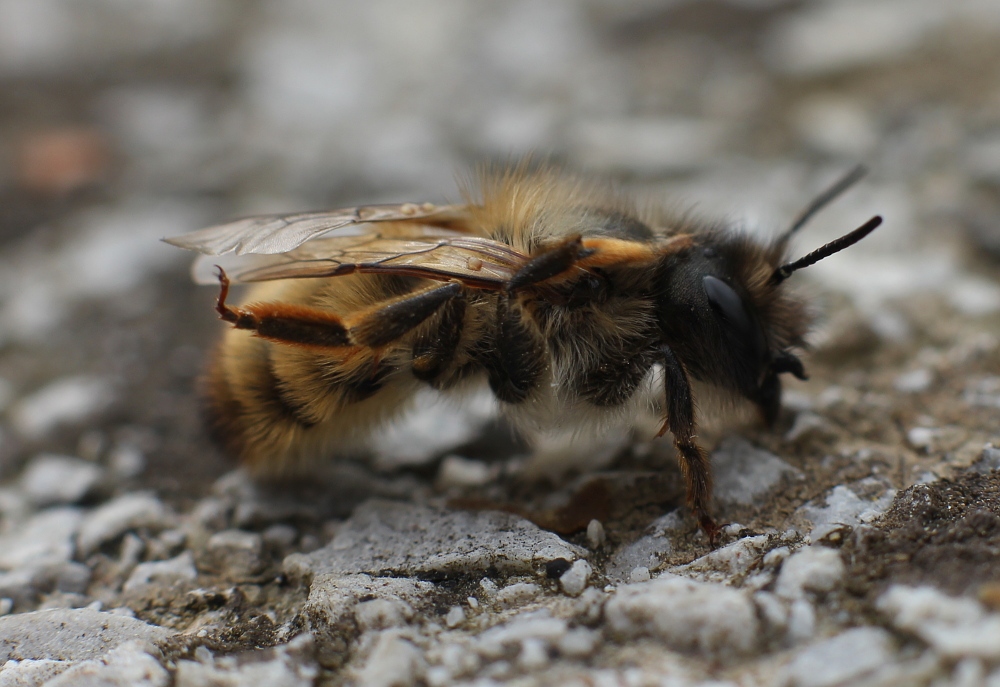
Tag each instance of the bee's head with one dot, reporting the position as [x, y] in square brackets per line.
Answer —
[724, 311]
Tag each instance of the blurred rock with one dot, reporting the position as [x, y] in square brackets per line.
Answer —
[844, 659]
[65, 401]
[745, 474]
[44, 539]
[168, 572]
[51, 478]
[114, 518]
[236, 554]
[127, 665]
[834, 37]
[645, 146]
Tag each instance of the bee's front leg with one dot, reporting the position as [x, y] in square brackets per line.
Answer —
[694, 461]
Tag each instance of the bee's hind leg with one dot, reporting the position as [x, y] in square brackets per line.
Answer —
[307, 326]
[693, 460]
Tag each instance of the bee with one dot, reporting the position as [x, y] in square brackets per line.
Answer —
[554, 291]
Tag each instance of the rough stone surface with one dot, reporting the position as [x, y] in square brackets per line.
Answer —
[386, 537]
[123, 123]
[71, 634]
[686, 615]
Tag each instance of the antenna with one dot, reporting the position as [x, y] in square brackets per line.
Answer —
[824, 199]
[782, 273]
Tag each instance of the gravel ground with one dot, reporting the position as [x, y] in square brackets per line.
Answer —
[866, 528]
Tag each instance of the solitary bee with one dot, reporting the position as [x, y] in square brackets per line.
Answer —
[552, 290]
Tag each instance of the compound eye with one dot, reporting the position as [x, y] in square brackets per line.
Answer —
[728, 304]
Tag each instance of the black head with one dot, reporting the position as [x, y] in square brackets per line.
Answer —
[724, 312]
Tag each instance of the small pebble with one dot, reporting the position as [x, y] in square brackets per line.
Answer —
[455, 617]
[595, 535]
[6, 606]
[575, 580]
[640, 574]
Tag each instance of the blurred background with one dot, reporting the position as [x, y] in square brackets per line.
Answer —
[124, 121]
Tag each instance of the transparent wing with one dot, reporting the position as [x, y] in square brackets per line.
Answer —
[274, 234]
[478, 262]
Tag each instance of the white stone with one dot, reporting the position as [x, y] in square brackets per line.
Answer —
[128, 665]
[394, 662]
[575, 580]
[168, 572]
[127, 512]
[517, 594]
[64, 401]
[686, 615]
[744, 474]
[44, 539]
[640, 574]
[842, 507]
[812, 569]
[455, 617]
[51, 478]
[595, 534]
[843, 659]
[30, 672]
[955, 627]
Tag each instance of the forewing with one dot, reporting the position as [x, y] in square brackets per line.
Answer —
[479, 262]
[274, 234]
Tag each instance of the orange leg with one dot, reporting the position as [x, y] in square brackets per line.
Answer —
[316, 328]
